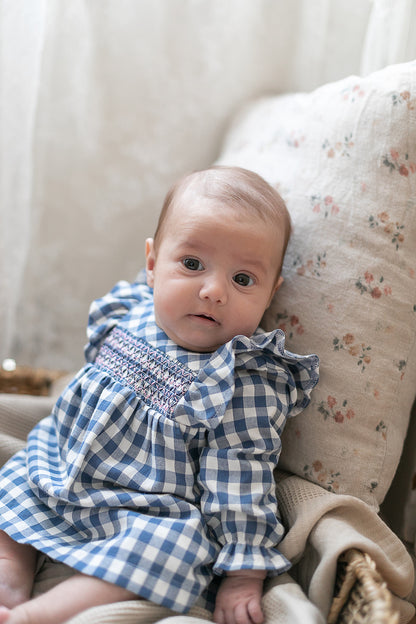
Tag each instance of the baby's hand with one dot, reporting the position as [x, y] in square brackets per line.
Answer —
[239, 598]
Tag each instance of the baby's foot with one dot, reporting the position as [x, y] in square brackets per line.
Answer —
[14, 616]
[15, 587]
[17, 568]
[4, 615]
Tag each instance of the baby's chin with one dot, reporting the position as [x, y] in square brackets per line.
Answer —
[196, 347]
[206, 348]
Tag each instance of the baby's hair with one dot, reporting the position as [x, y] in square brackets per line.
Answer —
[240, 188]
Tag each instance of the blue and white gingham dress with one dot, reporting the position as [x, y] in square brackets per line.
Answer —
[155, 469]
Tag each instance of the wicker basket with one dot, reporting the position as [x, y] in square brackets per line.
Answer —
[26, 380]
[360, 595]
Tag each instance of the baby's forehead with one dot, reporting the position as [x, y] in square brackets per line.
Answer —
[202, 221]
[193, 206]
[242, 201]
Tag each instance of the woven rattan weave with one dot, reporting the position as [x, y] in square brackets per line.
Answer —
[26, 380]
[360, 595]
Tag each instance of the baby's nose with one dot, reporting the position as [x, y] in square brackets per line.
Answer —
[215, 289]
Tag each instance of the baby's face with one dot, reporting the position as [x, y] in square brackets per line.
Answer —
[213, 274]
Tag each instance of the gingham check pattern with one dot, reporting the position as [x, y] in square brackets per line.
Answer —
[157, 493]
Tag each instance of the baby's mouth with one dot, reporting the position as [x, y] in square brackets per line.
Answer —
[206, 318]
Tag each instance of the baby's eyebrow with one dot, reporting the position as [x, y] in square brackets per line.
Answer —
[254, 262]
[189, 244]
[257, 267]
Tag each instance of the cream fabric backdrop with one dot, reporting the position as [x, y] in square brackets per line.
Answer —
[105, 102]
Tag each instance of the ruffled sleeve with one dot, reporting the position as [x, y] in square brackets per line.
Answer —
[292, 376]
[105, 312]
[261, 362]
[236, 479]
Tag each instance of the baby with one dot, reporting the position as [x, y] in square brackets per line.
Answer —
[154, 473]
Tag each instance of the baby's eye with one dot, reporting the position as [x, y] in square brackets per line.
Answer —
[243, 280]
[192, 264]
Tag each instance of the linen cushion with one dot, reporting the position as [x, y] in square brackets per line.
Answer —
[344, 159]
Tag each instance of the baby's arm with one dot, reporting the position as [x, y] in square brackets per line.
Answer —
[239, 598]
[238, 499]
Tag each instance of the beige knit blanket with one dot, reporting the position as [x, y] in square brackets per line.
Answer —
[321, 526]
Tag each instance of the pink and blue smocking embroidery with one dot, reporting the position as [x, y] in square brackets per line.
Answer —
[160, 381]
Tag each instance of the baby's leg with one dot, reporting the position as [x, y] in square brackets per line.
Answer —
[17, 571]
[59, 604]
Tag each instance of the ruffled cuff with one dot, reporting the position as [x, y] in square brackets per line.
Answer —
[246, 557]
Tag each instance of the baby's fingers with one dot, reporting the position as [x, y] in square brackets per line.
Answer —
[255, 612]
[234, 614]
[219, 616]
[242, 615]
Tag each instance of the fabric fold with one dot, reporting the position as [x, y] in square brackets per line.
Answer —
[322, 525]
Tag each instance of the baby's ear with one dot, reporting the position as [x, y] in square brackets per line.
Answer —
[150, 261]
[279, 282]
[276, 287]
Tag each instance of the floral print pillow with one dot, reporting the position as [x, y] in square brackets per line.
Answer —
[344, 159]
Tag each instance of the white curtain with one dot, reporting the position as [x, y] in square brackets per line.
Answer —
[104, 102]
